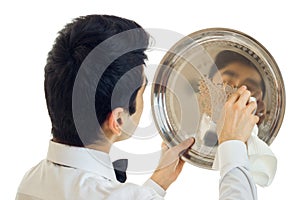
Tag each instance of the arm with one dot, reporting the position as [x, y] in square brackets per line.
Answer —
[236, 181]
[170, 164]
[128, 191]
[234, 129]
[168, 170]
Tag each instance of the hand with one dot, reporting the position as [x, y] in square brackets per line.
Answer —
[170, 164]
[261, 107]
[237, 118]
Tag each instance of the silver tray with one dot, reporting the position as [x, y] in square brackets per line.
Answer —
[190, 88]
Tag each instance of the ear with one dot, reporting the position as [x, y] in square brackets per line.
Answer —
[115, 120]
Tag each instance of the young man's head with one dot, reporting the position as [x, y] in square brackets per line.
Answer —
[71, 47]
[236, 70]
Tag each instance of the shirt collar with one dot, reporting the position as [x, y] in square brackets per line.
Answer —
[82, 158]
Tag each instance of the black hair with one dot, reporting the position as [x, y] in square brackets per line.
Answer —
[227, 57]
[73, 44]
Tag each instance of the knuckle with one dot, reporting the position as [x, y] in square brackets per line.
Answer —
[247, 93]
[245, 111]
[238, 93]
[253, 105]
[227, 105]
[255, 119]
[237, 107]
[233, 96]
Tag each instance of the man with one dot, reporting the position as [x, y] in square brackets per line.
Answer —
[237, 71]
[78, 165]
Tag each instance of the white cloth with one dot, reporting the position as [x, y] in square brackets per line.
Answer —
[79, 173]
[236, 182]
[263, 163]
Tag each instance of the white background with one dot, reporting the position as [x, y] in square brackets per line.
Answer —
[28, 29]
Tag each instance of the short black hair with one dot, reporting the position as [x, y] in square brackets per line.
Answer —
[73, 44]
[227, 57]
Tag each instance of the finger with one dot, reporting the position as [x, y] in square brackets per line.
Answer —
[164, 147]
[179, 166]
[244, 98]
[183, 145]
[235, 96]
[251, 107]
[255, 119]
[261, 108]
[258, 95]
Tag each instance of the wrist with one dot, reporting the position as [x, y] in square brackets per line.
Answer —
[224, 139]
[160, 180]
[157, 188]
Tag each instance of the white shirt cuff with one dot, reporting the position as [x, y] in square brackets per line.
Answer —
[159, 190]
[232, 154]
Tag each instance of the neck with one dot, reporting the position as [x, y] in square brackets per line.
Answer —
[104, 147]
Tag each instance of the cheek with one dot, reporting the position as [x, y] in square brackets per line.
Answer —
[140, 106]
[139, 109]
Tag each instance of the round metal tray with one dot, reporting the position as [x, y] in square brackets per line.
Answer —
[190, 87]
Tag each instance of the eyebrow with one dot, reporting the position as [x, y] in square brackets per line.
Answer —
[230, 73]
[253, 82]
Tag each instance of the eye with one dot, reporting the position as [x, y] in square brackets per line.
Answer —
[253, 89]
[250, 88]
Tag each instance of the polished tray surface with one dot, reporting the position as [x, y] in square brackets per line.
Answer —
[198, 74]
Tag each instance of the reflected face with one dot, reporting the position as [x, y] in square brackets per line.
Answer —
[237, 74]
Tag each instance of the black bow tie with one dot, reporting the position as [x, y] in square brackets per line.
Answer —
[120, 167]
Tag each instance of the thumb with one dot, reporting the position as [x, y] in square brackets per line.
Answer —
[164, 147]
[183, 145]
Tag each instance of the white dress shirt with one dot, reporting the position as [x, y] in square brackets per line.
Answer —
[236, 182]
[262, 161]
[80, 173]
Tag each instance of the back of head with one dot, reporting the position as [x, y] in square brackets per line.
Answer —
[72, 46]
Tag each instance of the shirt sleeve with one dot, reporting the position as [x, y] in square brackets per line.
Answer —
[128, 191]
[154, 186]
[236, 182]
